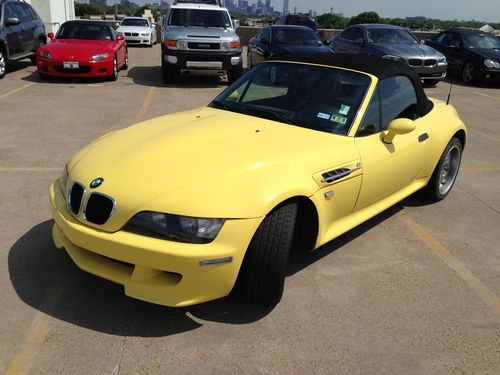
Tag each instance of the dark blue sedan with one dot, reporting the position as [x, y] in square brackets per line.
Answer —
[284, 40]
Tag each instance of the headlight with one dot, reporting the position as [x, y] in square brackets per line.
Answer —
[64, 180]
[491, 64]
[182, 44]
[225, 46]
[442, 60]
[392, 57]
[100, 57]
[145, 34]
[175, 228]
[46, 55]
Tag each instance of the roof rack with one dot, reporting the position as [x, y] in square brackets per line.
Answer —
[205, 2]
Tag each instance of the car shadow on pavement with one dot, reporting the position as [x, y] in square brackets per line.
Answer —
[14, 66]
[34, 77]
[46, 279]
[152, 76]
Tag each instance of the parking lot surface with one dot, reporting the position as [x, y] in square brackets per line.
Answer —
[413, 291]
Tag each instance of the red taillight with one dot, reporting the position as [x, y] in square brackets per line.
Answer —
[171, 42]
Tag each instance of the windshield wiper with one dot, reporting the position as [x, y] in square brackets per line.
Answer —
[269, 115]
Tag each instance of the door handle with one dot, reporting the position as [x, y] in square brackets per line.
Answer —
[423, 137]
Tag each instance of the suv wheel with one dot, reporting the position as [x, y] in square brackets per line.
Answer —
[3, 64]
[168, 72]
[234, 73]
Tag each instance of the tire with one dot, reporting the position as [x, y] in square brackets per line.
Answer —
[468, 73]
[125, 65]
[264, 266]
[431, 82]
[114, 75]
[446, 171]
[39, 44]
[3, 63]
[234, 73]
[169, 73]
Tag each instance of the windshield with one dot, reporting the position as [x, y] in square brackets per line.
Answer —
[481, 41]
[290, 36]
[301, 21]
[135, 22]
[199, 17]
[319, 98]
[391, 36]
[84, 31]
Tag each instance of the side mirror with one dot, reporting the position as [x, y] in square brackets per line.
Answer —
[398, 126]
[12, 21]
[51, 36]
[120, 36]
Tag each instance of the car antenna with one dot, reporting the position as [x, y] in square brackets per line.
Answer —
[449, 94]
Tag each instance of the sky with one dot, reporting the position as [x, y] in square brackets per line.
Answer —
[480, 10]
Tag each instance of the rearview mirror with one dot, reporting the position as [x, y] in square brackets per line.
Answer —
[50, 35]
[398, 126]
[12, 21]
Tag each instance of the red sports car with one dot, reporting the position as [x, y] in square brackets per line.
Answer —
[83, 49]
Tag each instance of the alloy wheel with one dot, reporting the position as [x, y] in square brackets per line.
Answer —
[468, 73]
[449, 170]
[2, 64]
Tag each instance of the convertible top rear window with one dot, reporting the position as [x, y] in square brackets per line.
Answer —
[315, 97]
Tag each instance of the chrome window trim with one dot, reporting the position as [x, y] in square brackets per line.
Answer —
[110, 214]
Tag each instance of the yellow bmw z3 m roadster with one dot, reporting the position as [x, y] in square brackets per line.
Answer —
[293, 154]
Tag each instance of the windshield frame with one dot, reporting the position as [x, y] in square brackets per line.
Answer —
[226, 17]
[220, 101]
[412, 37]
[467, 37]
[275, 33]
[144, 20]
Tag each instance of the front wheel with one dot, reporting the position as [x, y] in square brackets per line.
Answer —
[446, 172]
[468, 73]
[431, 82]
[125, 64]
[264, 266]
[3, 64]
[234, 73]
[40, 43]
[114, 75]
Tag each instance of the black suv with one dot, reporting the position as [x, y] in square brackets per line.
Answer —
[21, 32]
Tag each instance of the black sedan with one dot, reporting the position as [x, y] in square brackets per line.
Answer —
[472, 54]
[284, 40]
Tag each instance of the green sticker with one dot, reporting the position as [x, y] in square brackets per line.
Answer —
[344, 109]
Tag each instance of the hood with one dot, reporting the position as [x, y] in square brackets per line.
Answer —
[407, 50]
[133, 29]
[207, 163]
[204, 32]
[490, 53]
[77, 48]
[301, 49]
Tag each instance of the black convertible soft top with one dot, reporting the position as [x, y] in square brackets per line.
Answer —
[380, 68]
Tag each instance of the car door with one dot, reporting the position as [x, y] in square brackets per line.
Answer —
[350, 40]
[27, 29]
[261, 50]
[13, 32]
[119, 46]
[450, 44]
[390, 168]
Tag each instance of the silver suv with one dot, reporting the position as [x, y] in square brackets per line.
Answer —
[199, 37]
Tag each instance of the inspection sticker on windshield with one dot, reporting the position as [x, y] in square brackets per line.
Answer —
[339, 119]
[324, 116]
[344, 109]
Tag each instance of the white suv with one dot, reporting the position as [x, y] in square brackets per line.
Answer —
[199, 37]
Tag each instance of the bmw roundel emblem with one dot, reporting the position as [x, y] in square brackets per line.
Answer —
[96, 182]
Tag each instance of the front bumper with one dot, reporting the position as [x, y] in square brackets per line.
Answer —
[103, 68]
[138, 39]
[489, 75]
[437, 72]
[201, 60]
[154, 270]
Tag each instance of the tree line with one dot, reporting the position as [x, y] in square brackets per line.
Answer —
[83, 10]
